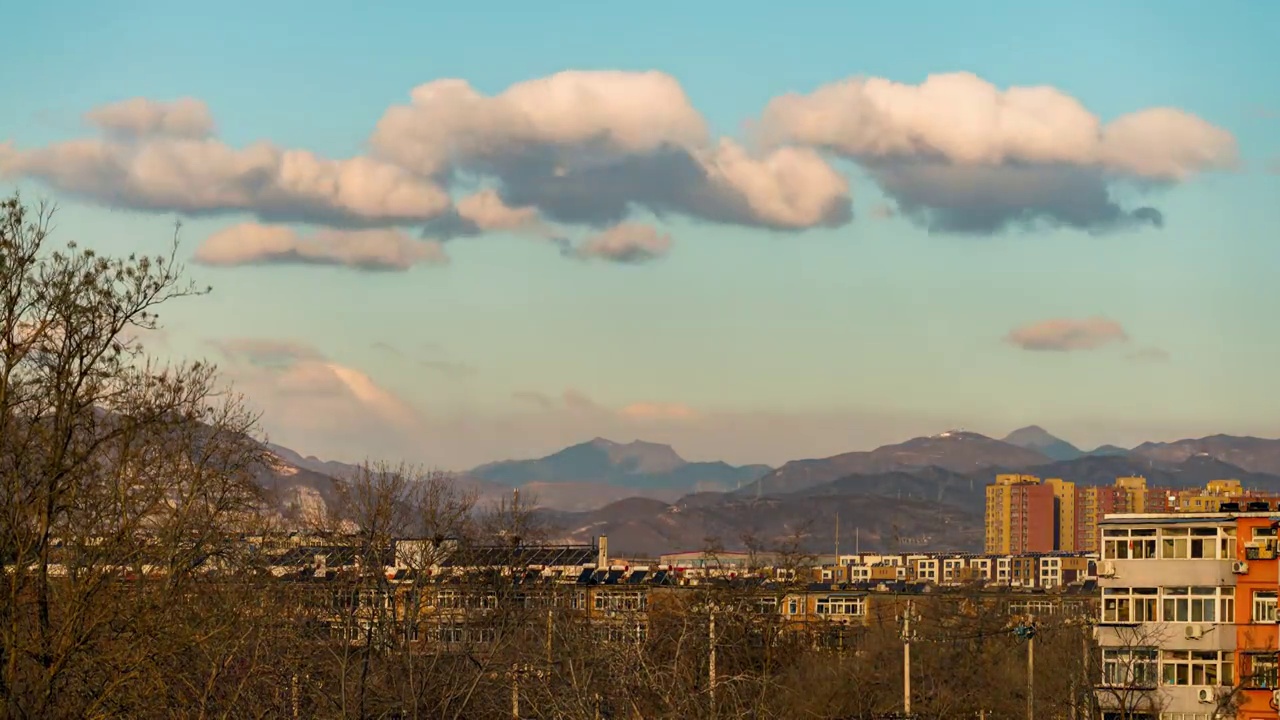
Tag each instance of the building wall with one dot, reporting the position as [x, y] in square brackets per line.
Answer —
[1166, 567]
[1254, 633]
[1034, 521]
[1020, 515]
[1064, 498]
[997, 519]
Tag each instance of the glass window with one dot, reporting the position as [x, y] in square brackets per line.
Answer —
[1196, 667]
[1129, 667]
[1264, 606]
[1260, 670]
[1129, 605]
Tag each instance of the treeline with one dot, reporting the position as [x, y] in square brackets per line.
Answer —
[127, 488]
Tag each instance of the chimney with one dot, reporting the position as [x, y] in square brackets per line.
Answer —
[602, 556]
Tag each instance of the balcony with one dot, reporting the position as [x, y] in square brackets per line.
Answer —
[1154, 573]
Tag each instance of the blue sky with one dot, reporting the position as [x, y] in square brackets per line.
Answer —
[735, 341]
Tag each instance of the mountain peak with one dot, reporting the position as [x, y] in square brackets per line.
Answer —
[1031, 434]
[1034, 437]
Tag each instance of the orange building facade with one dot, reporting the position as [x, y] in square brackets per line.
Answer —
[1257, 639]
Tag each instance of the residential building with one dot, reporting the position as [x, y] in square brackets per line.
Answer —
[1020, 515]
[1064, 502]
[1187, 623]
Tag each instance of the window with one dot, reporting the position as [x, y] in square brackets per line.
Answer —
[1204, 542]
[1198, 604]
[1260, 670]
[621, 601]
[1196, 667]
[1173, 542]
[841, 605]
[793, 606]
[1129, 605]
[1264, 606]
[1129, 667]
[1124, 543]
[767, 605]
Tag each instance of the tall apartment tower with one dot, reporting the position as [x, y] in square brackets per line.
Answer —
[1127, 495]
[1021, 515]
[1064, 504]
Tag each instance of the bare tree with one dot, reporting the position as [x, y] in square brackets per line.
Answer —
[121, 481]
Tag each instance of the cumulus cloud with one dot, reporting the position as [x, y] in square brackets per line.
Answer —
[1065, 335]
[160, 157]
[579, 151]
[625, 243]
[254, 244]
[588, 147]
[309, 399]
[959, 154]
[143, 117]
[485, 212]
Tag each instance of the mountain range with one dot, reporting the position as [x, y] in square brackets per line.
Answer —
[924, 492]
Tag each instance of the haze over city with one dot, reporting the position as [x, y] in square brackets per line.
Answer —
[757, 233]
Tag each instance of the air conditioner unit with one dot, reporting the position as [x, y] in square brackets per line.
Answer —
[1205, 695]
[1106, 568]
[1239, 567]
[1194, 632]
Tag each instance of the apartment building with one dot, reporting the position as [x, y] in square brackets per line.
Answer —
[1187, 625]
[1020, 515]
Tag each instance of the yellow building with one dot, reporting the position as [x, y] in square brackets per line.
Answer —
[1215, 492]
[1064, 500]
[1000, 511]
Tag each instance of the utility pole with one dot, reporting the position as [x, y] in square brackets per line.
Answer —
[515, 693]
[711, 664]
[906, 660]
[1027, 631]
[550, 630]
[1031, 674]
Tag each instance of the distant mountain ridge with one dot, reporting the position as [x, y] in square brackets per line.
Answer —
[637, 465]
[926, 492]
[954, 450]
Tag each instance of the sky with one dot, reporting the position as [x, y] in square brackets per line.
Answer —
[454, 233]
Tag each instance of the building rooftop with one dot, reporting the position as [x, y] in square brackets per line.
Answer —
[1182, 517]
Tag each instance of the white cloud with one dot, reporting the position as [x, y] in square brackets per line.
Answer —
[310, 401]
[1065, 334]
[625, 243]
[448, 122]
[163, 170]
[587, 147]
[580, 150]
[959, 154]
[253, 244]
[142, 117]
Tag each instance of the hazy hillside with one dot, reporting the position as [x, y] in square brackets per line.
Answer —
[956, 451]
[1254, 454]
[638, 466]
[1034, 437]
